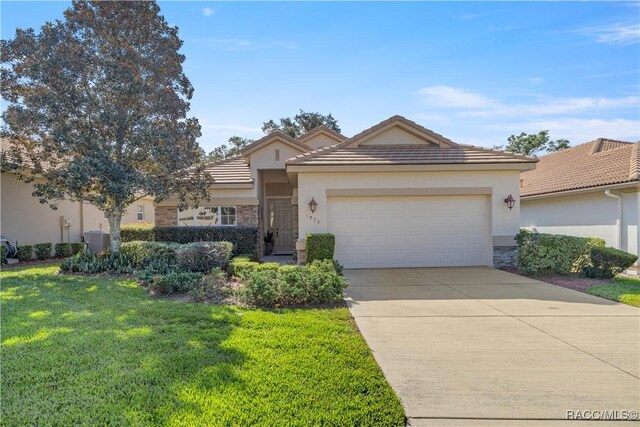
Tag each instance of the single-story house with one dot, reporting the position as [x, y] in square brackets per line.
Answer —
[590, 190]
[395, 195]
[23, 219]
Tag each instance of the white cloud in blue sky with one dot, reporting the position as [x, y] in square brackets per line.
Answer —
[475, 72]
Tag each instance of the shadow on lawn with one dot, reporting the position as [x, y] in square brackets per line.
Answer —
[80, 350]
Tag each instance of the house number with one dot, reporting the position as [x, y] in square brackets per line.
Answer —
[313, 218]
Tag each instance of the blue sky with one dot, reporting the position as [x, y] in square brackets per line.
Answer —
[475, 72]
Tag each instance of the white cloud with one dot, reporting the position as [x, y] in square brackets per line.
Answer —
[447, 96]
[621, 34]
[207, 11]
[535, 80]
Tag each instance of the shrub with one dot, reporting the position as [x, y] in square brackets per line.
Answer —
[212, 287]
[316, 283]
[174, 282]
[76, 248]
[320, 246]
[42, 250]
[241, 267]
[143, 253]
[204, 256]
[25, 252]
[3, 254]
[607, 262]
[106, 262]
[133, 232]
[540, 253]
[63, 250]
[244, 239]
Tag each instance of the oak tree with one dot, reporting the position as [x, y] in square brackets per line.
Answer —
[532, 144]
[301, 123]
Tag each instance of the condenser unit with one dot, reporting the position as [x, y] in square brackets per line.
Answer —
[97, 241]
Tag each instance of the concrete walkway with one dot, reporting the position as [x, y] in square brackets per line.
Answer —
[478, 346]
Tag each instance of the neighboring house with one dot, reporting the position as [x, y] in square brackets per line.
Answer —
[395, 195]
[590, 190]
[25, 220]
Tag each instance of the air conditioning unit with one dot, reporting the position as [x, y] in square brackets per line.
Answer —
[97, 241]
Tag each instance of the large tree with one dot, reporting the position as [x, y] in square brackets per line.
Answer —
[97, 108]
[224, 151]
[532, 144]
[301, 123]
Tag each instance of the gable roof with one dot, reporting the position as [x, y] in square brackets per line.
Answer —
[338, 137]
[274, 136]
[592, 164]
[229, 171]
[441, 151]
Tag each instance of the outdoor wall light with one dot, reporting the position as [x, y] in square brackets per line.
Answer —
[313, 205]
[510, 201]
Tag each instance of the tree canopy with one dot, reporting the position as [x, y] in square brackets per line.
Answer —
[532, 144]
[236, 144]
[96, 104]
[301, 123]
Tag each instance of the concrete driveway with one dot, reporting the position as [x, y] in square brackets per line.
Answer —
[478, 346]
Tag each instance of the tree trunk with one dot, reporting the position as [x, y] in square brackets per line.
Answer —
[114, 218]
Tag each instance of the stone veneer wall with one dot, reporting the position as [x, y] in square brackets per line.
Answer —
[505, 256]
[166, 216]
[247, 215]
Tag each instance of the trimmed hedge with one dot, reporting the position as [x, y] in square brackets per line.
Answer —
[25, 252]
[42, 250]
[320, 246]
[243, 266]
[244, 239]
[607, 262]
[3, 254]
[76, 248]
[204, 256]
[174, 282]
[63, 250]
[541, 254]
[133, 232]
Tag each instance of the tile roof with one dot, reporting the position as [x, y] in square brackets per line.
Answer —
[592, 164]
[230, 171]
[276, 134]
[336, 135]
[405, 155]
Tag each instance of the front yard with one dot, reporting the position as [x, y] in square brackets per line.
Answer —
[100, 350]
[622, 289]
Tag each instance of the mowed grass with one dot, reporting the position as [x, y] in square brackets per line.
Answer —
[623, 289]
[100, 351]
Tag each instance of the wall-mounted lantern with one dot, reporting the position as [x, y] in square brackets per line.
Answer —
[313, 205]
[510, 201]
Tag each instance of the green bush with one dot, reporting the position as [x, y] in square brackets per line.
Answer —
[25, 252]
[320, 246]
[242, 266]
[542, 254]
[204, 256]
[3, 254]
[244, 239]
[607, 262]
[133, 232]
[88, 263]
[315, 283]
[76, 248]
[143, 253]
[174, 282]
[63, 250]
[42, 250]
[212, 287]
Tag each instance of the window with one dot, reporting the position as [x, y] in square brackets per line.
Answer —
[207, 215]
[140, 213]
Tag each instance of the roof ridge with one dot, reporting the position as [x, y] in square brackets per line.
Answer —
[321, 128]
[513, 154]
[634, 166]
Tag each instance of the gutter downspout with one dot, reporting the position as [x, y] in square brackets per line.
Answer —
[608, 193]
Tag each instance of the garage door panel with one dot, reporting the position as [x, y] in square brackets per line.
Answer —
[410, 232]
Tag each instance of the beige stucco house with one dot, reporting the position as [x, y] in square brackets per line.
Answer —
[25, 220]
[590, 190]
[394, 195]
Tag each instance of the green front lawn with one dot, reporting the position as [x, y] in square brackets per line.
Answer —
[623, 289]
[97, 351]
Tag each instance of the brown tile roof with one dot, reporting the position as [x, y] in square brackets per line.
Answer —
[277, 134]
[338, 136]
[593, 164]
[230, 171]
[447, 152]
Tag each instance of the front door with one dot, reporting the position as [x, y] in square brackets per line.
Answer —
[280, 216]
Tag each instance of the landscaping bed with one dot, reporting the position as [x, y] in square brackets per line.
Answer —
[87, 350]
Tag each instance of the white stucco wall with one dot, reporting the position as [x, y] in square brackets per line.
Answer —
[585, 215]
[504, 222]
[320, 140]
[24, 219]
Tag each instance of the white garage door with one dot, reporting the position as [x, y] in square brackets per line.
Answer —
[416, 231]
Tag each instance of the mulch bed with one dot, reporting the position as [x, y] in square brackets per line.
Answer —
[569, 281]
